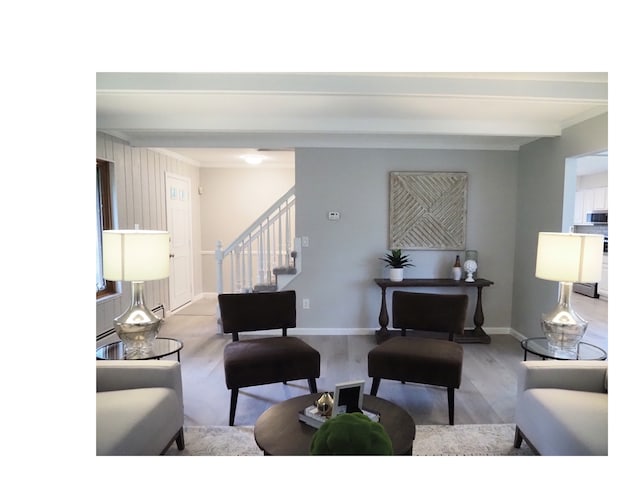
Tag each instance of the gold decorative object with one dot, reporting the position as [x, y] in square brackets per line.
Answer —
[325, 404]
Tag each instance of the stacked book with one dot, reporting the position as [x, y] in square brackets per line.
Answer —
[312, 416]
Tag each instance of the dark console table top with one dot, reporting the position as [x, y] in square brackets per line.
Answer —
[433, 282]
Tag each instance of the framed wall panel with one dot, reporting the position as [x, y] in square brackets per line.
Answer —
[428, 210]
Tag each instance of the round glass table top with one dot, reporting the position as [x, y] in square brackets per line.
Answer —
[162, 347]
[540, 346]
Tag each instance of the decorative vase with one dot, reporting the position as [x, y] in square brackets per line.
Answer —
[456, 273]
[456, 270]
[396, 274]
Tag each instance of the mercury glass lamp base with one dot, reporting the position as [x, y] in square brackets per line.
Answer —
[138, 327]
[563, 327]
[138, 338]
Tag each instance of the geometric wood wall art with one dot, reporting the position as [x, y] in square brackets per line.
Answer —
[428, 210]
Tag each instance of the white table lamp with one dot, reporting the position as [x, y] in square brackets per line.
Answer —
[567, 258]
[136, 256]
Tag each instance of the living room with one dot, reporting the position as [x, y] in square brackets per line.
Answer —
[513, 194]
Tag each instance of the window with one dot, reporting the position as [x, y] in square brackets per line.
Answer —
[103, 222]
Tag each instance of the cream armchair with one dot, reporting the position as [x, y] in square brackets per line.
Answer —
[562, 407]
[139, 409]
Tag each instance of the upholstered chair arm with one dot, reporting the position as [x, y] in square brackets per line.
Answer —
[127, 374]
[582, 375]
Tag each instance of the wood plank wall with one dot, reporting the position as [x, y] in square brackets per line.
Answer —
[138, 179]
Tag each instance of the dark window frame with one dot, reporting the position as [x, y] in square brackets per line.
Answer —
[103, 184]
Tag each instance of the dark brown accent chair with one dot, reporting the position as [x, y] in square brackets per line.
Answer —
[423, 359]
[261, 361]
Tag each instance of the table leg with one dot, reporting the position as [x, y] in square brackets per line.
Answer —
[383, 318]
[478, 316]
[477, 334]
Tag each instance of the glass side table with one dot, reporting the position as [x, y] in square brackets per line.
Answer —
[162, 347]
[540, 346]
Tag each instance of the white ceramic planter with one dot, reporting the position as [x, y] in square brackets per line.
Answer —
[456, 273]
[396, 274]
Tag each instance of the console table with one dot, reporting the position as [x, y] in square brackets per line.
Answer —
[474, 335]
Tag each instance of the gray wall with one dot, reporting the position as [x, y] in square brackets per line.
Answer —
[342, 258]
[546, 196]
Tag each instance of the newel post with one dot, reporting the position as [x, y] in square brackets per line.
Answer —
[219, 258]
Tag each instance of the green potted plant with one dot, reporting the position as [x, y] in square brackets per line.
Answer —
[396, 262]
[351, 434]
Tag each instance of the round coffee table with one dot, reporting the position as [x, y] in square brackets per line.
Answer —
[540, 347]
[162, 347]
[278, 431]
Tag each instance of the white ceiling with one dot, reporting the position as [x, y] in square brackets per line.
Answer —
[205, 118]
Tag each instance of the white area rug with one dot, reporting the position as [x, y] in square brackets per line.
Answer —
[433, 440]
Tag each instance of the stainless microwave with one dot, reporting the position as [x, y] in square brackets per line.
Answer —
[598, 216]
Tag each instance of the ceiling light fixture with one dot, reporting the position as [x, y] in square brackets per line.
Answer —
[253, 158]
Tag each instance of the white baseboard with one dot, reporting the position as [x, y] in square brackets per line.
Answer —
[516, 334]
[332, 331]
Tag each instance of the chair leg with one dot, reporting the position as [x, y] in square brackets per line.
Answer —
[232, 409]
[374, 386]
[312, 385]
[450, 399]
[180, 439]
[517, 439]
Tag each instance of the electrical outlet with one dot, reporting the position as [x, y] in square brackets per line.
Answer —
[305, 304]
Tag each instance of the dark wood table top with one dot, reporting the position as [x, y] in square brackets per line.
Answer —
[278, 431]
[432, 282]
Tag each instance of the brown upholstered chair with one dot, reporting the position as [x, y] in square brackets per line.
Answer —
[422, 359]
[261, 361]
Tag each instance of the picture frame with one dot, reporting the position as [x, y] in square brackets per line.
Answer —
[428, 210]
[348, 397]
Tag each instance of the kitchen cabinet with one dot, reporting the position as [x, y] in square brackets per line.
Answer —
[588, 200]
[603, 286]
[600, 198]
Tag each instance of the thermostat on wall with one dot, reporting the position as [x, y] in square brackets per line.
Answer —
[333, 215]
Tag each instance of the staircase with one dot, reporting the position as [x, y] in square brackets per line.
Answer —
[265, 257]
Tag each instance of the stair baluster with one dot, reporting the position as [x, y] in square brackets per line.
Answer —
[262, 253]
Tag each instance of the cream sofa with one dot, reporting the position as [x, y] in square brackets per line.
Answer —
[139, 409]
[562, 407]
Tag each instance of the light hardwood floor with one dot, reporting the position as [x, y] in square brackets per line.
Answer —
[487, 393]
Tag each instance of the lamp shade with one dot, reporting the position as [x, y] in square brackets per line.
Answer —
[569, 257]
[135, 255]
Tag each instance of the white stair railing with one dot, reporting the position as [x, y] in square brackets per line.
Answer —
[249, 261]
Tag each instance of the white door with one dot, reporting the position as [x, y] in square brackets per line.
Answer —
[178, 192]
